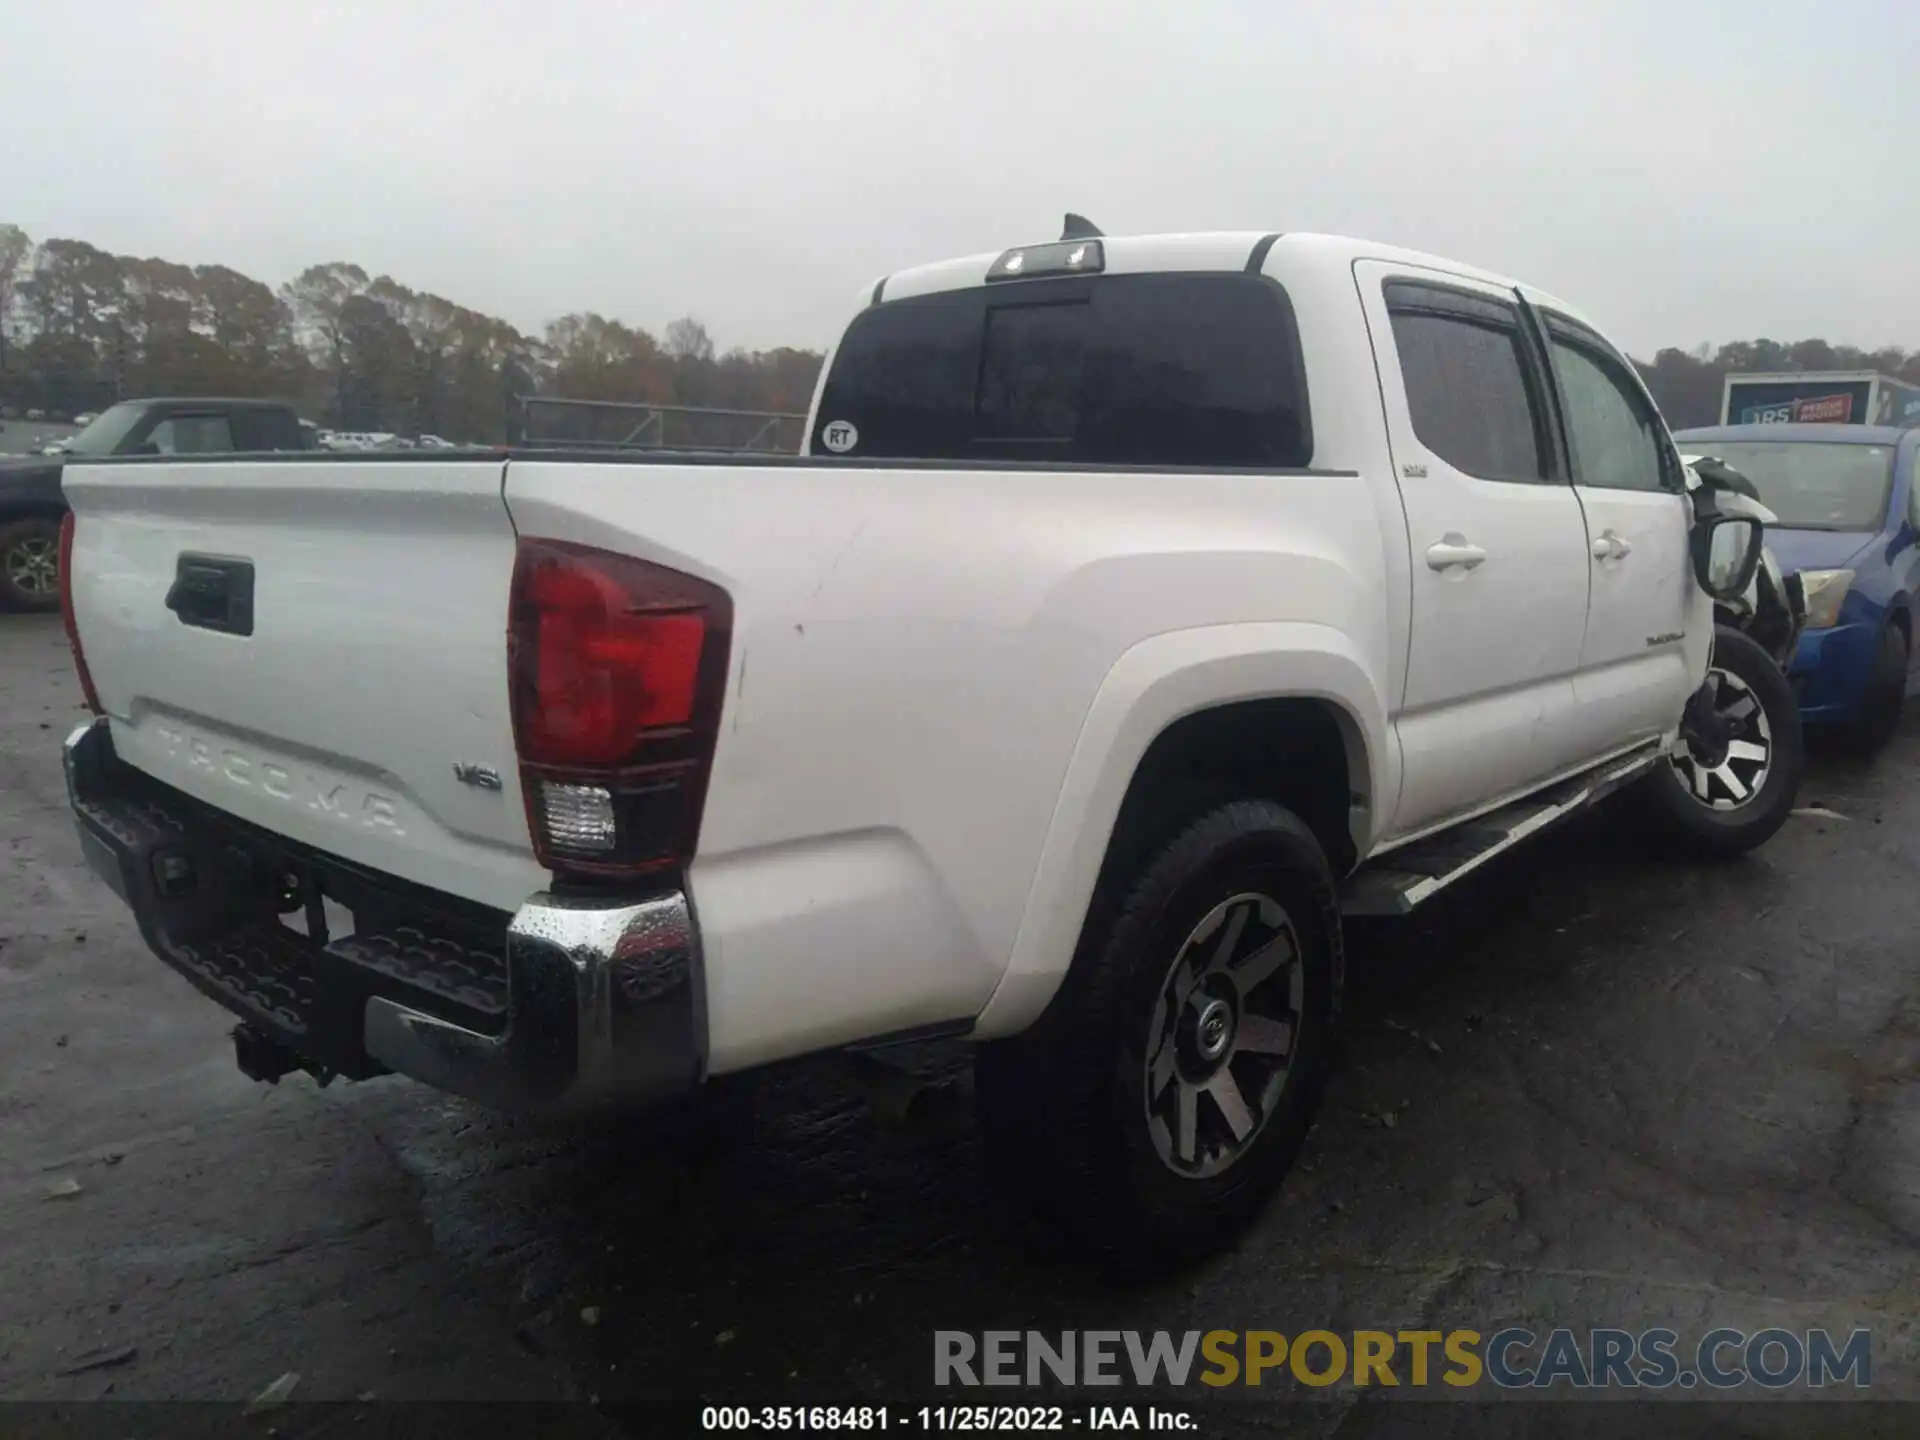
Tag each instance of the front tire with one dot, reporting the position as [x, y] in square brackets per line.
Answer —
[1167, 1088]
[30, 564]
[1883, 697]
[1732, 777]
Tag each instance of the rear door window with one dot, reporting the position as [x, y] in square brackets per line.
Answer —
[1471, 394]
[1168, 370]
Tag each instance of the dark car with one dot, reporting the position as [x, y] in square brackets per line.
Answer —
[1849, 524]
[31, 503]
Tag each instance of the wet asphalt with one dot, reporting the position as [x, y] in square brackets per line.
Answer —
[1591, 1089]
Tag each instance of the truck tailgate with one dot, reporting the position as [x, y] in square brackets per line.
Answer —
[375, 665]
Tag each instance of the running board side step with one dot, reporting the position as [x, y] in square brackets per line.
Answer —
[1403, 878]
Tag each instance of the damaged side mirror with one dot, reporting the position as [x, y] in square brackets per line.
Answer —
[1726, 551]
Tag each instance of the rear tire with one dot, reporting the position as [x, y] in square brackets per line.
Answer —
[1165, 1091]
[30, 564]
[1883, 697]
[1719, 795]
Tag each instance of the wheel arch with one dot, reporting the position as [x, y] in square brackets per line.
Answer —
[1900, 613]
[13, 511]
[1302, 692]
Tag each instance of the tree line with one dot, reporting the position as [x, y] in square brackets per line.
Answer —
[1688, 383]
[80, 327]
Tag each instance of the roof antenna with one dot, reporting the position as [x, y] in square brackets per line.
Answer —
[1078, 227]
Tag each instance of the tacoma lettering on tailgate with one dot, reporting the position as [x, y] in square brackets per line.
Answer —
[335, 799]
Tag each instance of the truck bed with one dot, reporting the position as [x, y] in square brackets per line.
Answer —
[915, 652]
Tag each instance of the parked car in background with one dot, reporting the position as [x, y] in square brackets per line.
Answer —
[32, 502]
[85, 417]
[356, 440]
[1848, 521]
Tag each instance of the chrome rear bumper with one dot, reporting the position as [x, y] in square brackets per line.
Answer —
[571, 1004]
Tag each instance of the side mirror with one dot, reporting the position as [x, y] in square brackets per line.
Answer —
[1726, 551]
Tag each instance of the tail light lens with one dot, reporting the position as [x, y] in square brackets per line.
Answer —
[87, 691]
[618, 669]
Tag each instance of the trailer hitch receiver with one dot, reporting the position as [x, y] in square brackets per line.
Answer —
[262, 1058]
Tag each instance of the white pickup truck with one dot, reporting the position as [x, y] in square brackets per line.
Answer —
[1141, 606]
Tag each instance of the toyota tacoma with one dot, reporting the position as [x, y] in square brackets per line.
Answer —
[1139, 609]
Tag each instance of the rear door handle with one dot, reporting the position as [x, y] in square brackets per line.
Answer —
[1453, 552]
[1609, 546]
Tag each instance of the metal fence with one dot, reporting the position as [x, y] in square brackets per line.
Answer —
[552, 423]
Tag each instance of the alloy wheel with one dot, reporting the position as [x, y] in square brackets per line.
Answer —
[1223, 1034]
[33, 565]
[1725, 751]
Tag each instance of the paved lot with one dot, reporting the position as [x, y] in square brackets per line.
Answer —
[1590, 1091]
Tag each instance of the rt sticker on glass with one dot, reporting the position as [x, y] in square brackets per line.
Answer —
[839, 437]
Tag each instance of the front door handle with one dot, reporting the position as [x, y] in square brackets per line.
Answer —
[1453, 552]
[1609, 546]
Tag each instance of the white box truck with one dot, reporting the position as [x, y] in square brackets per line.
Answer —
[1833, 397]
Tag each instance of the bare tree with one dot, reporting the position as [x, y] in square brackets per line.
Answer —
[315, 298]
[687, 339]
[14, 249]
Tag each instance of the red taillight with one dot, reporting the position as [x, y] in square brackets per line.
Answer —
[618, 668]
[87, 691]
[607, 662]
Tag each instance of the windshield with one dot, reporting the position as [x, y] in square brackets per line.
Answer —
[108, 429]
[1812, 484]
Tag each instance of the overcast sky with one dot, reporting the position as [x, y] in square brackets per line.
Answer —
[1684, 170]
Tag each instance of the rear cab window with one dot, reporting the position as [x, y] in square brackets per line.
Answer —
[192, 435]
[1166, 370]
[260, 428]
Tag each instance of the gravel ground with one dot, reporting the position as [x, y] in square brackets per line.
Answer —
[1591, 1090]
